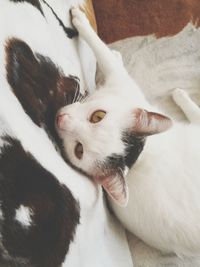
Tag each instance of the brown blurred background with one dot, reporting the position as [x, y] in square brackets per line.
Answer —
[119, 19]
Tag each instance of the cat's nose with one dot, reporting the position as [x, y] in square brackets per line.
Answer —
[61, 120]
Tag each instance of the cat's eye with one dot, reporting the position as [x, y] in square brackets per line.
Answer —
[97, 116]
[78, 151]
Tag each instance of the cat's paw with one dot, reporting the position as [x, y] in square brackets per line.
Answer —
[118, 55]
[179, 96]
[79, 19]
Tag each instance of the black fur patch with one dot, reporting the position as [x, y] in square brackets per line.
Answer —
[55, 213]
[69, 31]
[115, 162]
[35, 3]
[39, 84]
[134, 146]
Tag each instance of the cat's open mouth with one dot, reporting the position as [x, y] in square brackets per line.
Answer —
[115, 185]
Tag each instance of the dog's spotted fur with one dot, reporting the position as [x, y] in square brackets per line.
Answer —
[41, 88]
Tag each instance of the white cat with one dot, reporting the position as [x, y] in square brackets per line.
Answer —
[112, 132]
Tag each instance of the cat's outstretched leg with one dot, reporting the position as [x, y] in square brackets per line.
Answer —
[109, 63]
[190, 109]
[118, 55]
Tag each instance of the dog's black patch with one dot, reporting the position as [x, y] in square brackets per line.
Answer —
[7, 261]
[69, 31]
[55, 213]
[39, 84]
[134, 146]
[35, 3]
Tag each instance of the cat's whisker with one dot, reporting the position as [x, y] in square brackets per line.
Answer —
[76, 94]
[82, 98]
[79, 97]
[85, 98]
[121, 171]
[73, 97]
[68, 99]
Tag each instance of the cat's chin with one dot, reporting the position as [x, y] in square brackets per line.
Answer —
[112, 181]
[115, 185]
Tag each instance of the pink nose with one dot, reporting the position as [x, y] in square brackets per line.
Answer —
[61, 120]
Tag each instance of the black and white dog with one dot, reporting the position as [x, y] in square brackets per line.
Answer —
[50, 215]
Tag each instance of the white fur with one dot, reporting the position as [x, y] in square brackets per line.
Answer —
[163, 208]
[89, 248]
[108, 98]
[164, 183]
[23, 216]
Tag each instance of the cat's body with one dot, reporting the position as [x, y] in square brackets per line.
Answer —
[164, 186]
[112, 131]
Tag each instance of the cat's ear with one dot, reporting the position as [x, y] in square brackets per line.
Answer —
[116, 187]
[149, 123]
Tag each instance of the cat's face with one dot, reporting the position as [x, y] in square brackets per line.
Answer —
[104, 136]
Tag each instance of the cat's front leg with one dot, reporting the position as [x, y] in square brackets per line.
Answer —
[118, 56]
[81, 23]
[107, 60]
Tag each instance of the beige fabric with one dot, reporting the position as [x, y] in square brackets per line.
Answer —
[161, 65]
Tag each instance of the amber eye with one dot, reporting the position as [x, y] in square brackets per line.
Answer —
[78, 151]
[97, 116]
